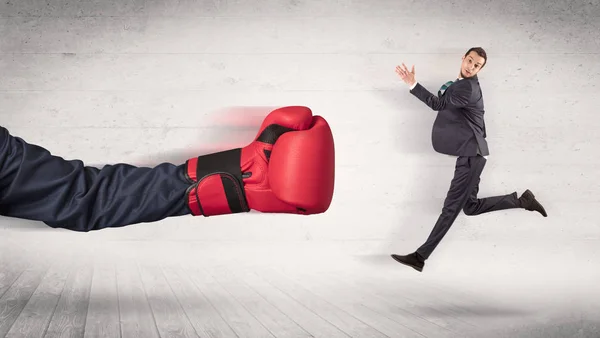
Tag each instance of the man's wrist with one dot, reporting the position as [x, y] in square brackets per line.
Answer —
[413, 85]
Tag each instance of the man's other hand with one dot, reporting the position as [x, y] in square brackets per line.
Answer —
[407, 76]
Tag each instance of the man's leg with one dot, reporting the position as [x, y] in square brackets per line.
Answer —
[477, 206]
[466, 176]
[67, 194]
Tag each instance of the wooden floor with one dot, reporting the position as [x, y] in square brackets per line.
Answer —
[44, 293]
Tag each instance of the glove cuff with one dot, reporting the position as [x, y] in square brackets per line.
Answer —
[218, 187]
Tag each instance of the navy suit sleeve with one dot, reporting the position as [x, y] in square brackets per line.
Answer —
[36, 185]
[458, 97]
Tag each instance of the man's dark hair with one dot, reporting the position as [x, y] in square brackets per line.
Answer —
[480, 51]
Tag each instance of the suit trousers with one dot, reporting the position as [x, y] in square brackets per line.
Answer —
[462, 195]
[36, 185]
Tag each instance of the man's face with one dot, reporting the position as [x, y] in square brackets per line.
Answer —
[471, 65]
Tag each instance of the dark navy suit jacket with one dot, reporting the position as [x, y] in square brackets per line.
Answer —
[36, 185]
[459, 128]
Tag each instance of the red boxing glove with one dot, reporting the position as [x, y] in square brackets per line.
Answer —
[288, 168]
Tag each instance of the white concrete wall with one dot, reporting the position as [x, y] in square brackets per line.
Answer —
[144, 82]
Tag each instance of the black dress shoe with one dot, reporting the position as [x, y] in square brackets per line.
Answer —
[413, 260]
[528, 202]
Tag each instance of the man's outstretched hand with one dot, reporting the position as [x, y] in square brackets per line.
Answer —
[407, 76]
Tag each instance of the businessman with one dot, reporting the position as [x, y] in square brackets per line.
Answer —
[287, 168]
[459, 130]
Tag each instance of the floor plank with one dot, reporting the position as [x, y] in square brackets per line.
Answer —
[170, 318]
[268, 314]
[391, 321]
[70, 314]
[203, 315]
[17, 296]
[35, 316]
[420, 301]
[321, 306]
[241, 321]
[103, 312]
[136, 316]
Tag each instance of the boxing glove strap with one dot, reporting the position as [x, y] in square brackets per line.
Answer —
[218, 188]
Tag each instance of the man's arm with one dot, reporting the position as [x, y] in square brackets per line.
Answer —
[36, 185]
[458, 97]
